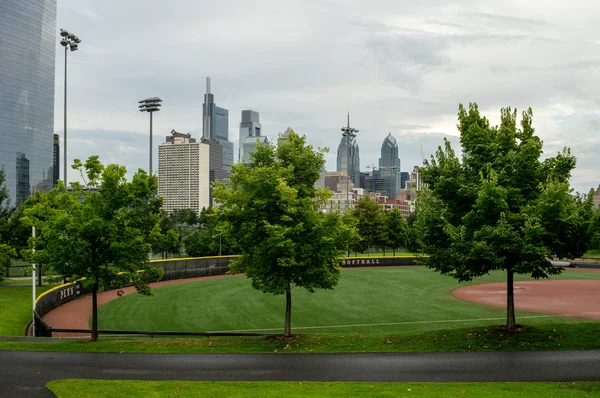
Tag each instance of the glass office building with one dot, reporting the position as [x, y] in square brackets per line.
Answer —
[27, 55]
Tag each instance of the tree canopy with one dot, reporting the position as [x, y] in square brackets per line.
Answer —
[97, 233]
[272, 208]
[500, 207]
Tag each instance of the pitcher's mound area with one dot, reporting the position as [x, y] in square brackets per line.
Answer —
[576, 298]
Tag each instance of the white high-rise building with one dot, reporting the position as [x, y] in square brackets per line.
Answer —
[183, 173]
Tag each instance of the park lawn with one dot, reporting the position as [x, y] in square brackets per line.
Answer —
[366, 300]
[574, 336]
[83, 388]
[15, 308]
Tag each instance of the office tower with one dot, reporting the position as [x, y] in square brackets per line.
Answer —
[285, 135]
[332, 179]
[27, 51]
[56, 160]
[374, 182]
[183, 173]
[389, 166]
[348, 159]
[404, 177]
[250, 135]
[215, 133]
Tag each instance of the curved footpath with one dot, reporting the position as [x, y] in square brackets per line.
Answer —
[24, 374]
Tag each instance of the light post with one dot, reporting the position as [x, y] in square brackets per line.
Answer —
[70, 42]
[150, 105]
[349, 133]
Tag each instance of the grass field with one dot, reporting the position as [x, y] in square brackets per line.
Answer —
[367, 300]
[572, 336]
[15, 309]
[192, 389]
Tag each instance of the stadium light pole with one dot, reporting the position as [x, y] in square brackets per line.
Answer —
[150, 105]
[70, 42]
[349, 133]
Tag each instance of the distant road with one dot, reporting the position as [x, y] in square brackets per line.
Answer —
[24, 374]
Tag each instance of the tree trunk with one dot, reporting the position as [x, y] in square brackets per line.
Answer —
[288, 313]
[95, 311]
[39, 269]
[394, 252]
[510, 300]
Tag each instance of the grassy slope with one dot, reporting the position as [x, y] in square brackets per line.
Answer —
[109, 388]
[580, 336]
[402, 299]
[15, 309]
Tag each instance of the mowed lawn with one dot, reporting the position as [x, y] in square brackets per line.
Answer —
[15, 308]
[366, 300]
[192, 389]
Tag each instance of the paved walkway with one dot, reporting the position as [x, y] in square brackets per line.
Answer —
[24, 374]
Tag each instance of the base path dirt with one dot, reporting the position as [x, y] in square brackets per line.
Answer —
[75, 314]
[573, 298]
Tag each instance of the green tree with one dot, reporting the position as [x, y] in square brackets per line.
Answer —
[97, 233]
[370, 223]
[272, 208]
[501, 207]
[397, 230]
[168, 241]
[7, 253]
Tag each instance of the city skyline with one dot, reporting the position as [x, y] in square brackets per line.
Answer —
[397, 68]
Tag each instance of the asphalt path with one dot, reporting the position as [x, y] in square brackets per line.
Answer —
[24, 374]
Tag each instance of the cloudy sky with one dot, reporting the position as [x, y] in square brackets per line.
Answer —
[397, 66]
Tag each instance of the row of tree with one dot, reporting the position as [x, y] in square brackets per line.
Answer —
[498, 207]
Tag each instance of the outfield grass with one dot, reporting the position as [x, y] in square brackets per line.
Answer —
[576, 336]
[15, 308]
[367, 300]
[134, 388]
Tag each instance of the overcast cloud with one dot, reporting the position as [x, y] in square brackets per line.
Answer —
[399, 67]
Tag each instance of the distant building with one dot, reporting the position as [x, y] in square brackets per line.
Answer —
[179, 137]
[215, 132]
[183, 173]
[374, 182]
[348, 159]
[27, 64]
[250, 135]
[596, 198]
[332, 179]
[56, 161]
[404, 176]
[389, 165]
[285, 135]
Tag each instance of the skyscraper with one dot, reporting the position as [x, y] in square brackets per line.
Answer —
[250, 134]
[215, 133]
[27, 52]
[389, 166]
[348, 159]
[183, 173]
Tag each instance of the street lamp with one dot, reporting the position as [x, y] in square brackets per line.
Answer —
[70, 42]
[150, 105]
[349, 133]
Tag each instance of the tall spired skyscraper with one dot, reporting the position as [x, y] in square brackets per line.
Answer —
[215, 132]
[27, 51]
[389, 166]
[348, 159]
